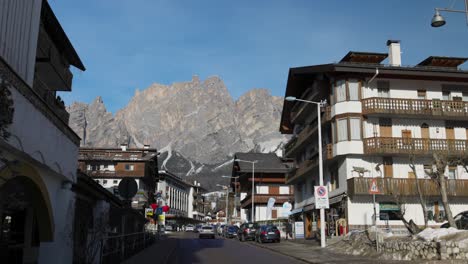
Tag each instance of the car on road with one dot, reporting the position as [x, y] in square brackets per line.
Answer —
[267, 233]
[231, 231]
[189, 228]
[206, 231]
[219, 230]
[197, 228]
[169, 228]
[247, 231]
[461, 220]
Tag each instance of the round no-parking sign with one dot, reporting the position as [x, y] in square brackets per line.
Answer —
[321, 197]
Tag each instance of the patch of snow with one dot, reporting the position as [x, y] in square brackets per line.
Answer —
[270, 145]
[194, 112]
[430, 234]
[222, 165]
[137, 143]
[192, 169]
[167, 149]
[199, 169]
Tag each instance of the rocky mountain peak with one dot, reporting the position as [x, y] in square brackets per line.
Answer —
[197, 120]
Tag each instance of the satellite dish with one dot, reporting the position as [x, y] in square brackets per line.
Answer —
[128, 188]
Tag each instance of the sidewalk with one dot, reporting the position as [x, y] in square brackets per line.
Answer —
[311, 252]
[164, 247]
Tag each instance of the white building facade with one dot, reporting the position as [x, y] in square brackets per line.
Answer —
[39, 159]
[378, 118]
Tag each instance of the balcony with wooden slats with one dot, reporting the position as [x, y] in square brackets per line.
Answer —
[416, 146]
[406, 187]
[308, 165]
[441, 109]
[300, 112]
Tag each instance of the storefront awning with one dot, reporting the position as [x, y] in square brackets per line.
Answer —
[309, 207]
[296, 211]
[337, 198]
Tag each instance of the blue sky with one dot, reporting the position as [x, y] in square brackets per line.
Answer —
[130, 44]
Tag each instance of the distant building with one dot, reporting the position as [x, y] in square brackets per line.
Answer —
[38, 161]
[270, 182]
[184, 199]
[377, 117]
[108, 166]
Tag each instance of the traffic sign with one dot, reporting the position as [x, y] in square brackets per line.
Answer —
[321, 197]
[374, 189]
[128, 188]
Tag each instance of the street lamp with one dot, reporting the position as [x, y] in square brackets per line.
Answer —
[438, 20]
[227, 200]
[253, 185]
[235, 191]
[319, 129]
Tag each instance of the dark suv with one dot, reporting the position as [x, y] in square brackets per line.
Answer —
[247, 231]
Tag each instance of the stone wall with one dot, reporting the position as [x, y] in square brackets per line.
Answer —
[411, 250]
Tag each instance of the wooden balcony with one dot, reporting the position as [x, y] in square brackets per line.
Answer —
[417, 146]
[102, 173]
[263, 199]
[406, 187]
[301, 111]
[308, 165]
[415, 107]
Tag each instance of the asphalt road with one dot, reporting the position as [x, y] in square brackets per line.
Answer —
[191, 249]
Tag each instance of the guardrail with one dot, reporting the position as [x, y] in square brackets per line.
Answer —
[115, 249]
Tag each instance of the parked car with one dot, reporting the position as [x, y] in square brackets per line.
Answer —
[231, 231]
[267, 233]
[169, 228]
[206, 231]
[461, 220]
[220, 230]
[197, 228]
[189, 228]
[247, 231]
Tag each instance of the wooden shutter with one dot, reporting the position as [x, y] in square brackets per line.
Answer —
[388, 167]
[274, 214]
[450, 133]
[273, 190]
[385, 127]
[406, 135]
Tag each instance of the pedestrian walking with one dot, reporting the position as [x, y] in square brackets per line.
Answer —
[288, 230]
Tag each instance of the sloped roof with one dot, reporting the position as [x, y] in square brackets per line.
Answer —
[266, 162]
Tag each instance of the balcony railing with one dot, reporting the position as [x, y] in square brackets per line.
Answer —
[420, 146]
[406, 187]
[307, 165]
[299, 112]
[398, 106]
[101, 173]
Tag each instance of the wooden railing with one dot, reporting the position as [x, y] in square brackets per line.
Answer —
[377, 105]
[406, 187]
[391, 145]
[307, 165]
[101, 173]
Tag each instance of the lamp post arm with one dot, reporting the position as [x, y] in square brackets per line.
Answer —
[446, 10]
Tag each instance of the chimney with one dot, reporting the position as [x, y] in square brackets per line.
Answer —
[123, 147]
[394, 52]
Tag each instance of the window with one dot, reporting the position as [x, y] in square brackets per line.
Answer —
[97, 181]
[355, 128]
[383, 89]
[353, 86]
[129, 167]
[422, 94]
[452, 172]
[445, 96]
[342, 129]
[115, 182]
[284, 190]
[389, 211]
[104, 182]
[406, 135]
[340, 87]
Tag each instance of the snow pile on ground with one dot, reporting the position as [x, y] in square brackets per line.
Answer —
[430, 234]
